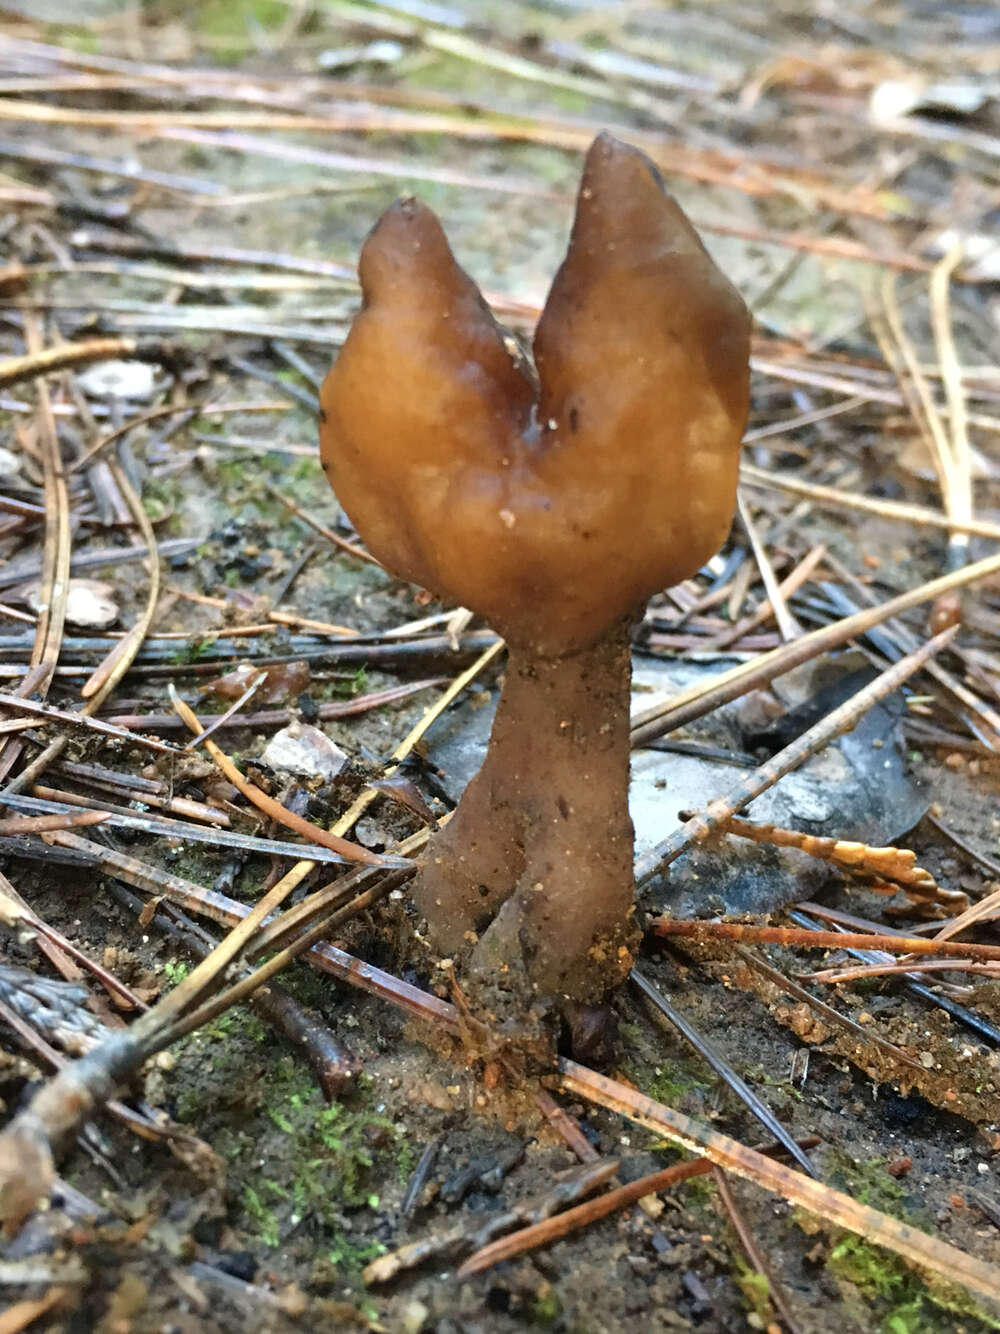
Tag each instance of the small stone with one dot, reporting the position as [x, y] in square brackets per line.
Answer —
[90, 603]
[119, 379]
[414, 1315]
[10, 464]
[370, 834]
[302, 749]
[430, 1092]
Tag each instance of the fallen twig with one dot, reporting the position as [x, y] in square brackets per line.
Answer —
[822, 940]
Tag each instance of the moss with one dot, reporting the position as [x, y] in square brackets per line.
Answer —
[84, 40]
[869, 1182]
[162, 498]
[352, 1256]
[192, 651]
[545, 1307]
[756, 1290]
[672, 1084]
[769, 1081]
[406, 1161]
[264, 1217]
[317, 1169]
[229, 26]
[302, 481]
[876, 1272]
[900, 1301]
[908, 1304]
[175, 971]
[698, 1191]
[355, 684]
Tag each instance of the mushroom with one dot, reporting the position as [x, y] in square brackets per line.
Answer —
[553, 501]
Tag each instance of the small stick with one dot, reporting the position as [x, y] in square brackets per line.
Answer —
[560, 1225]
[821, 940]
[753, 1252]
[787, 624]
[108, 673]
[50, 359]
[785, 425]
[340, 708]
[911, 969]
[350, 547]
[791, 583]
[564, 1124]
[240, 991]
[107, 676]
[19, 1315]
[831, 497]
[208, 409]
[839, 385]
[304, 623]
[899, 354]
[220, 908]
[43, 824]
[22, 508]
[570, 1186]
[48, 711]
[898, 864]
[983, 911]
[230, 713]
[365, 798]
[54, 801]
[63, 954]
[951, 374]
[182, 806]
[419, 1178]
[56, 548]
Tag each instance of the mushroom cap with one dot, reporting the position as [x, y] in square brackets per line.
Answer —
[551, 510]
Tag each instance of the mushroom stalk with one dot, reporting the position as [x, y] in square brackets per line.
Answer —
[537, 859]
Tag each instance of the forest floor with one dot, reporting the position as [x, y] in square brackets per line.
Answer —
[841, 163]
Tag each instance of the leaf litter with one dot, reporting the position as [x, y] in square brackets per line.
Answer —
[817, 163]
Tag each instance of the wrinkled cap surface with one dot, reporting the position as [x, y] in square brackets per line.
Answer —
[550, 510]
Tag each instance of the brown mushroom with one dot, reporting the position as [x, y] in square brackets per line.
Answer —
[554, 509]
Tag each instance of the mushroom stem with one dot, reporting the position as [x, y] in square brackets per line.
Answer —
[537, 859]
